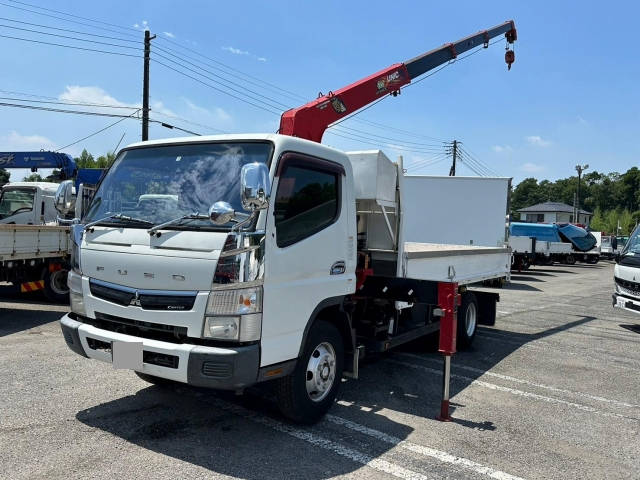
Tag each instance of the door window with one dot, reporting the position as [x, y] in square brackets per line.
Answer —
[307, 201]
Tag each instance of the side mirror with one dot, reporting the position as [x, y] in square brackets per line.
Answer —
[221, 213]
[255, 187]
[65, 198]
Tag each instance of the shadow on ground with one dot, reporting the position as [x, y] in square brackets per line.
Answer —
[213, 429]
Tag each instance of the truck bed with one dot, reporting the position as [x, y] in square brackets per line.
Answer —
[22, 242]
[464, 264]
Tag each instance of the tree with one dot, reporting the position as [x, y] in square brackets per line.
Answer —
[34, 177]
[4, 176]
[85, 160]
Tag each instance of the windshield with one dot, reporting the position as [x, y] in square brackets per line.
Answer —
[632, 246]
[158, 184]
[15, 200]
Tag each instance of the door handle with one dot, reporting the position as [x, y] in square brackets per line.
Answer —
[338, 268]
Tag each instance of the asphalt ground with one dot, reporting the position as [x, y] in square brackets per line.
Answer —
[551, 391]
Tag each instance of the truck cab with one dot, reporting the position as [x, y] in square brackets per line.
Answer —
[28, 203]
[626, 275]
[199, 296]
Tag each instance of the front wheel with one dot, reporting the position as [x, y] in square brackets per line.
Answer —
[307, 394]
[570, 259]
[467, 320]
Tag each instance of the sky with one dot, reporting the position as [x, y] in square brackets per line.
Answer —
[571, 97]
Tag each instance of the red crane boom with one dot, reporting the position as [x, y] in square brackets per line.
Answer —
[312, 119]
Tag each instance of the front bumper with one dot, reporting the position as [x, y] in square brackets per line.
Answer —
[625, 303]
[212, 367]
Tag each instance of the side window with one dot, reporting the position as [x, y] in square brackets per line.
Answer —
[307, 201]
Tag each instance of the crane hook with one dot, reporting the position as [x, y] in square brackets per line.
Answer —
[509, 57]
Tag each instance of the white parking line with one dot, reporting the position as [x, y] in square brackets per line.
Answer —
[517, 392]
[309, 437]
[422, 450]
[525, 382]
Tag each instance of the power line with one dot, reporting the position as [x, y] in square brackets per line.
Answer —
[99, 131]
[65, 19]
[60, 110]
[172, 127]
[275, 105]
[68, 30]
[51, 102]
[214, 87]
[71, 46]
[69, 37]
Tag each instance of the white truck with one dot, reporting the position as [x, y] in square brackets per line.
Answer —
[293, 286]
[33, 249]
[626, 275]
[529, 251]
[214, 281]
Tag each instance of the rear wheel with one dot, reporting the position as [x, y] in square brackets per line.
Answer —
[570, 259]
[467, 320]
[55, 285]
[307, 394]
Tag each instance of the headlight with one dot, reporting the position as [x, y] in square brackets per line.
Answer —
[234, 314]
[76, 297]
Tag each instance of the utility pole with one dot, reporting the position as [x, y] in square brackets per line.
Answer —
[145, 85]
[579, 169]
[454, 151]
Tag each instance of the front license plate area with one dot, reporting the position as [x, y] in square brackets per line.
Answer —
[620, 302]
[127, 355]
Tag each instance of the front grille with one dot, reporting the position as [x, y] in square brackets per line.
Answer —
[146, 299]
[138, 328]
[628, 287]
[217, 369]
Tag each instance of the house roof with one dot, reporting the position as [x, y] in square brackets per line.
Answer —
[551, 207]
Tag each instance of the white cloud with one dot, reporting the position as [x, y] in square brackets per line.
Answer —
[502, 148]
[538, 141]
[582, 121]
[262, 59]
[218, 114]
[97, 95]
[76, 93]
[235, 51]
[532, 167]
[169, 34]
[15, 141]
[144, 25]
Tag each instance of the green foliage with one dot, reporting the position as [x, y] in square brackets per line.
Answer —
[4, 176]
[612, 197]
[86, 160]
[34, 177]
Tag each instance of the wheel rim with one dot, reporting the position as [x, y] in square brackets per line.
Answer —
[321, 371]
[470, 319]
[58, 282]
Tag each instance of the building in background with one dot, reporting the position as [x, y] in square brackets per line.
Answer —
[553, 212]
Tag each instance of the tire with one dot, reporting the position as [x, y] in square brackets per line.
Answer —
[467, 320]
[55, 285]
[307, 394]
[593, 259]
[570, 259]
[155, 380]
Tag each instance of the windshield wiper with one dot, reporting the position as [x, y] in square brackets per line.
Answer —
[117, 216]
[175, 221]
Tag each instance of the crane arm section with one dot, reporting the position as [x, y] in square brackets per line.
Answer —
[312, 119]
[35, 160]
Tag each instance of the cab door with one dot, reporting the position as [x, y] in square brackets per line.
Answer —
[310, 250]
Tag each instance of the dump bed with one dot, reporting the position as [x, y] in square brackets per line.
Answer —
[463, 264]
[22, 242]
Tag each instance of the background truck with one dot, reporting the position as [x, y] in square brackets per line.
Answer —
[28, 203]
[626, 275]
[527, 251]
[297, 270]
[34, 257]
